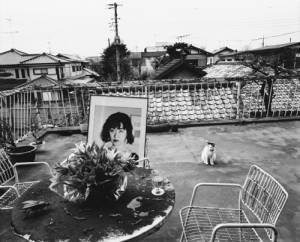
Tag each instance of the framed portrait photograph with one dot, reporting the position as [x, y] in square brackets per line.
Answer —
[119, 120]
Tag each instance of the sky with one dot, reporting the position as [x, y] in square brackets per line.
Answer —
[82, 27]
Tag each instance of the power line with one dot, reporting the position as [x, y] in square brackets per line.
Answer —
[269, 37]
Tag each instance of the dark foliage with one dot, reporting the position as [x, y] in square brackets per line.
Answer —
[109, 66]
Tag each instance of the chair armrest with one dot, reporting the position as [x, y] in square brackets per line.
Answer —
[12, 187]
[31, 163]
[244, 225]
[211, 184]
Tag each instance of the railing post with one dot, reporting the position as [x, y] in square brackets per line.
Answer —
[238, 99]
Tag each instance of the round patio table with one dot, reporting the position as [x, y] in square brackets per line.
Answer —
[135, 215]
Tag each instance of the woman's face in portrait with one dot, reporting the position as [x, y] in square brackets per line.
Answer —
[118, 135]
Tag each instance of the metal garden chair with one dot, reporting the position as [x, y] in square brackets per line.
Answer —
[261, 199]
[10, 186]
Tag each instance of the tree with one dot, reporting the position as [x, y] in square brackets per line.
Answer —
[109, 65]
[267, 88]
[175, 51]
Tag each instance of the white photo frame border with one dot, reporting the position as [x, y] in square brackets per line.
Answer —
[122, 103]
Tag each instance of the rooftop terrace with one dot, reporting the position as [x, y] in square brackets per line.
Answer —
[273, 146]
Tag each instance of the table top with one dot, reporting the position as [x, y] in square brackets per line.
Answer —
[135, 215]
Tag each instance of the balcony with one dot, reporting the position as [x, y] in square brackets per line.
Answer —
[273, 146]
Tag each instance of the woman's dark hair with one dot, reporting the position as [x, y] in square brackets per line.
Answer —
[114, 121]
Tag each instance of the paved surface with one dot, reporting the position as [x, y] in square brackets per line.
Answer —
[273, 146]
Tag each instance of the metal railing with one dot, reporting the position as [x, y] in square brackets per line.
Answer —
[175, 102]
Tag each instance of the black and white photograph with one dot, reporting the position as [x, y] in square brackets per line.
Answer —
[120, 121]
[138, 120]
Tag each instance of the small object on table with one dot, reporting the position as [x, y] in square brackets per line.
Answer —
[157, 183]
[35, 207]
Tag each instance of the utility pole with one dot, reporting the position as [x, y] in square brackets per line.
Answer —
[263, 41]
[117, 38]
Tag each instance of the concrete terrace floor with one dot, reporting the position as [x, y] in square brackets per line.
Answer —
[273, 146]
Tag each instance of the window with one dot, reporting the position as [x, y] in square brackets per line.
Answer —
[62, 72]
[50, 96]
[47, 96]
[17, 73]
[73, 68]
[23, 73]
[40, 71]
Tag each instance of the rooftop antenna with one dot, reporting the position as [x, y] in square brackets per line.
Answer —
[10, 32]
[117, 37]
[181, 37]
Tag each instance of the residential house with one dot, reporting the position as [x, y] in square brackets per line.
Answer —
[8, 82]
[190, 65]
[287, 55]
[24, 66]
[145, 63]
[218, 55]
[196, 56]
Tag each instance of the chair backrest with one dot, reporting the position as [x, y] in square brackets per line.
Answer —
[263, 195]
[6, 168]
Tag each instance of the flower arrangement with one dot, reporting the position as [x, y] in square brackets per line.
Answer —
[92, 167]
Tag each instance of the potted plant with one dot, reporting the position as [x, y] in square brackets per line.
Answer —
[16, 153]
[93, 173]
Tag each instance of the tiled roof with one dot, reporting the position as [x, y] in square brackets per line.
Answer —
[164, 71]
[221, 49]
[19, 52]
[166, 68]
[265, 48]
[44, 58]
[10, 83]
[13, 57]
[228, 71]
[42, 81]
[90, 72]
[84, 81]
[68, 57]
[274, 47]
[199, 49]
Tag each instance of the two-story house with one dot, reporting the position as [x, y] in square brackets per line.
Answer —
[24, 66]
[220, 55]
[190, 65]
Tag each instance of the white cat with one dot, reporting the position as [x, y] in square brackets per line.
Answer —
[208, 155]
